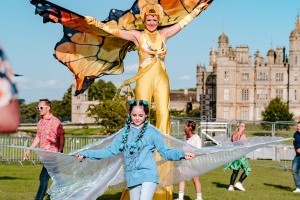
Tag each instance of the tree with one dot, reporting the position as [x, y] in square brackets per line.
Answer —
[277, 111]
[29, 114]
[110, 113]
[101, 90]
[177, 113]
[194, 113]
[57, 110]
[66, 104]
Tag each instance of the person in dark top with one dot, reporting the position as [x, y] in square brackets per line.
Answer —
[296, 161]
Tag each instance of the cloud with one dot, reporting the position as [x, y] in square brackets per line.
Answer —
[23, 82]
[26, 83]
[51, 84]
[184, 78]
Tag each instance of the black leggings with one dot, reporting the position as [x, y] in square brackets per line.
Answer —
[235, 174]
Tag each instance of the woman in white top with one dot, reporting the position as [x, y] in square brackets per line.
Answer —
[193, 139]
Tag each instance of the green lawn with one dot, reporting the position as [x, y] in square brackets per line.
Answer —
[268, 180]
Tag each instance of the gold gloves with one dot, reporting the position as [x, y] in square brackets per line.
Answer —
[97, 26]
[187, 19]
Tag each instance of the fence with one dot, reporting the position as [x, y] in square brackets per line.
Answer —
[214, 132]
[282, 153]
[8, 154]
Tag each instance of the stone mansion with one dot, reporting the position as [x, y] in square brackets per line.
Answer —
[238, 86]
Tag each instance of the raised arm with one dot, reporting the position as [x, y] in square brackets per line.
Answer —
[96, 26]
[174, 29]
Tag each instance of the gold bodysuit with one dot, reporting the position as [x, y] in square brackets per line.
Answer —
[152, 79]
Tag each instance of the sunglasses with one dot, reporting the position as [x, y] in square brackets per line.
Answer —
[41, 107]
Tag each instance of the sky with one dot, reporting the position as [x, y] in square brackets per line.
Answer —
[29, 44]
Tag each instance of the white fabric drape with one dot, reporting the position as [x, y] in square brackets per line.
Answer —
[89, 179]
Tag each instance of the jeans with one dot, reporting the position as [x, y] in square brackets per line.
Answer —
[145, 191]
[296, 171]
[44, 179]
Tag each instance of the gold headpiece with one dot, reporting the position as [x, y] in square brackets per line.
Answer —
[151, 8]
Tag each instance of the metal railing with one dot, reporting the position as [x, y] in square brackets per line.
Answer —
[9, 154]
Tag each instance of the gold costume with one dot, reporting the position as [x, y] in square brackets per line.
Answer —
[92, 48]
[152, 79]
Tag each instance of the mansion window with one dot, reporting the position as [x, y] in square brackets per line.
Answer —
[226, 75]
[295, 95]
[279, 77]
[245, 94]
[222, 52]
[225, 113]
[245, 77]
[245, 113]
[279, 93]
[262, 76]
[262, 94]
[226, 95]
[201, 80]
[296, 77]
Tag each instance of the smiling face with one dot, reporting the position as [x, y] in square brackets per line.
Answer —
[138, 115]
[151, 22]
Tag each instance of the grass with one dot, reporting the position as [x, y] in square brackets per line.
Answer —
[84, 131]
[268, 180]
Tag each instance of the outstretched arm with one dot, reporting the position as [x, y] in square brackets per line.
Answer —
[174, 29]
[57, 14]
[96, 154]
[98, 26]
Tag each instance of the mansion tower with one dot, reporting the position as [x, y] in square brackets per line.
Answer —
[238, 86]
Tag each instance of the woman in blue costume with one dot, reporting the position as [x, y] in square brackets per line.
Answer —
[137, 141]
